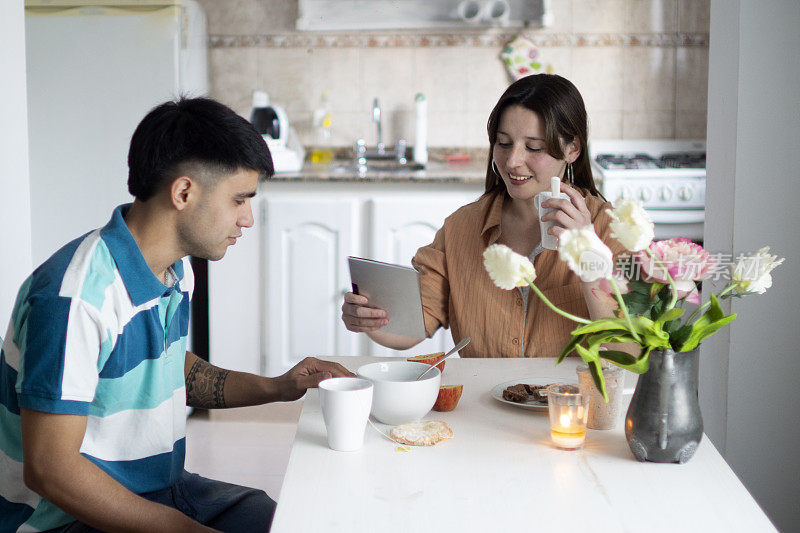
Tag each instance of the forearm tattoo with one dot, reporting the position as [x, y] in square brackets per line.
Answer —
[205, 385]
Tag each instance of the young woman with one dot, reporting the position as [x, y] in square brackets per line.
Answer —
[538, 129]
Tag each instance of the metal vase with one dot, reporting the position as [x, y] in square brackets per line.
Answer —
[663, 423]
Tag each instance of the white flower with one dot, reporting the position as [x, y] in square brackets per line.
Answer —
[752, 272]
[631, 225]
[507, 268]
[586, 254]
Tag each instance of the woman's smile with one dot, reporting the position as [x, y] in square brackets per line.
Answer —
[517, 179]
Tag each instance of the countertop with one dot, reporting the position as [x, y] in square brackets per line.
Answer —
[435, 171]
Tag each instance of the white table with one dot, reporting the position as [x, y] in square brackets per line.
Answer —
[501, 471]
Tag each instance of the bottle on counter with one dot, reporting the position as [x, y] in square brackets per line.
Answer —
[322, 152]
[263, 117]
[420, 129]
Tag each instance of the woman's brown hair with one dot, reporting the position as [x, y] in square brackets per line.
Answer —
[560, 106]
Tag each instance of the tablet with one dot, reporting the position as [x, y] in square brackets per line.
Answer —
[394, 288]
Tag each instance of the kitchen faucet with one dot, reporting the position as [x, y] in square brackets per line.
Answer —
[363, 154]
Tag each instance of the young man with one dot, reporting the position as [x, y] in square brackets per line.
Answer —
[94, 372]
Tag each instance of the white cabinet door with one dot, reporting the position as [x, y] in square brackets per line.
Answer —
[401, 225]
[307, 244]
[234, 292]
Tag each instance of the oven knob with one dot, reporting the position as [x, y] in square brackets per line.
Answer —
[645, 194]
[685, 193]
[665, 194]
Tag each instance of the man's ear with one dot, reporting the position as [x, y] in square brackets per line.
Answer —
[181, 192]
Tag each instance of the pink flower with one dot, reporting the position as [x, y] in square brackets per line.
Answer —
[622, 284]
[684, 260]
[605, 291]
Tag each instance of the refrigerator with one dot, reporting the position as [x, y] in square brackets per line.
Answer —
[94, 69]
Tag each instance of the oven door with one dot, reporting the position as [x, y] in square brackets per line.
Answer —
[671, 223]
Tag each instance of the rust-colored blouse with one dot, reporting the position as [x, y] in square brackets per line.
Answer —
[458, 293]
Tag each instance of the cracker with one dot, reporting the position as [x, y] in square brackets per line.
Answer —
[425, 433]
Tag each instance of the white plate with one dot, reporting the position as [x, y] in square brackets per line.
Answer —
[497, 391]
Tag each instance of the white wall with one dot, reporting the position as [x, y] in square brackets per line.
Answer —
[15, 214]
[749, 383]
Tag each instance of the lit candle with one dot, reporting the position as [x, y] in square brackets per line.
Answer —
[567, 407]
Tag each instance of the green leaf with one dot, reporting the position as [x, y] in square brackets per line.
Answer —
[712, 321]
[665, 293]
[589, 355]
[701, 333]
[636, 297]
[597, 339]
[599, 379]
[637, 303]
[623, 359]
[678, 337]
[715, 311]
[671, 326]
[650, 332]
[570, 347]
[602, 324]
[672, 314]
[655, 288]
[627, 361]
[639, 286]
[619, 358]
[591, 358]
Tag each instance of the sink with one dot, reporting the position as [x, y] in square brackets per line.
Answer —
[390, 165]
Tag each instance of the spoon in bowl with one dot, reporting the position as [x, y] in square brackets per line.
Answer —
[455, 349]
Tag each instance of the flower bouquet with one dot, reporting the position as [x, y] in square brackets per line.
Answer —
[648, 288]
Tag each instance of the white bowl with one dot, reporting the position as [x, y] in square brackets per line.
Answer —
[397, 397]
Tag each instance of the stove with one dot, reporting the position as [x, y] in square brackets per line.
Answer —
[667, 176]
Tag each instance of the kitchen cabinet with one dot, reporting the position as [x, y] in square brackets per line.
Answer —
[276, 297]
[307, 244]
[399, 227]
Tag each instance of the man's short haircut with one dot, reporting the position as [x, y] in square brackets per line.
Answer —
[192, 136]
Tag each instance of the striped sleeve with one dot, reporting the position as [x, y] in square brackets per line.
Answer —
[59, 344]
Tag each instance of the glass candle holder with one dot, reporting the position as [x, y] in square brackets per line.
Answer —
[602, 414]
[568, 410]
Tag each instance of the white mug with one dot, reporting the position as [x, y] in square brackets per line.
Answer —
[549, 242]
[346, 403]
[497, 12]
[469, 11]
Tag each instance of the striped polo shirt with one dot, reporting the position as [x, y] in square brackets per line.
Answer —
[93, 332]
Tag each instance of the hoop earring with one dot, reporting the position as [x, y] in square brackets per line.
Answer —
[569, 174]
[496, 170]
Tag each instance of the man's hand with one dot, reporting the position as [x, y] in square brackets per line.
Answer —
[306, 375]
[211, 387]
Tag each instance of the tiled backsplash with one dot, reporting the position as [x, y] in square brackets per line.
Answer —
[641, 65]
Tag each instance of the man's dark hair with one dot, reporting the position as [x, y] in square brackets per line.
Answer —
[192, 136]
